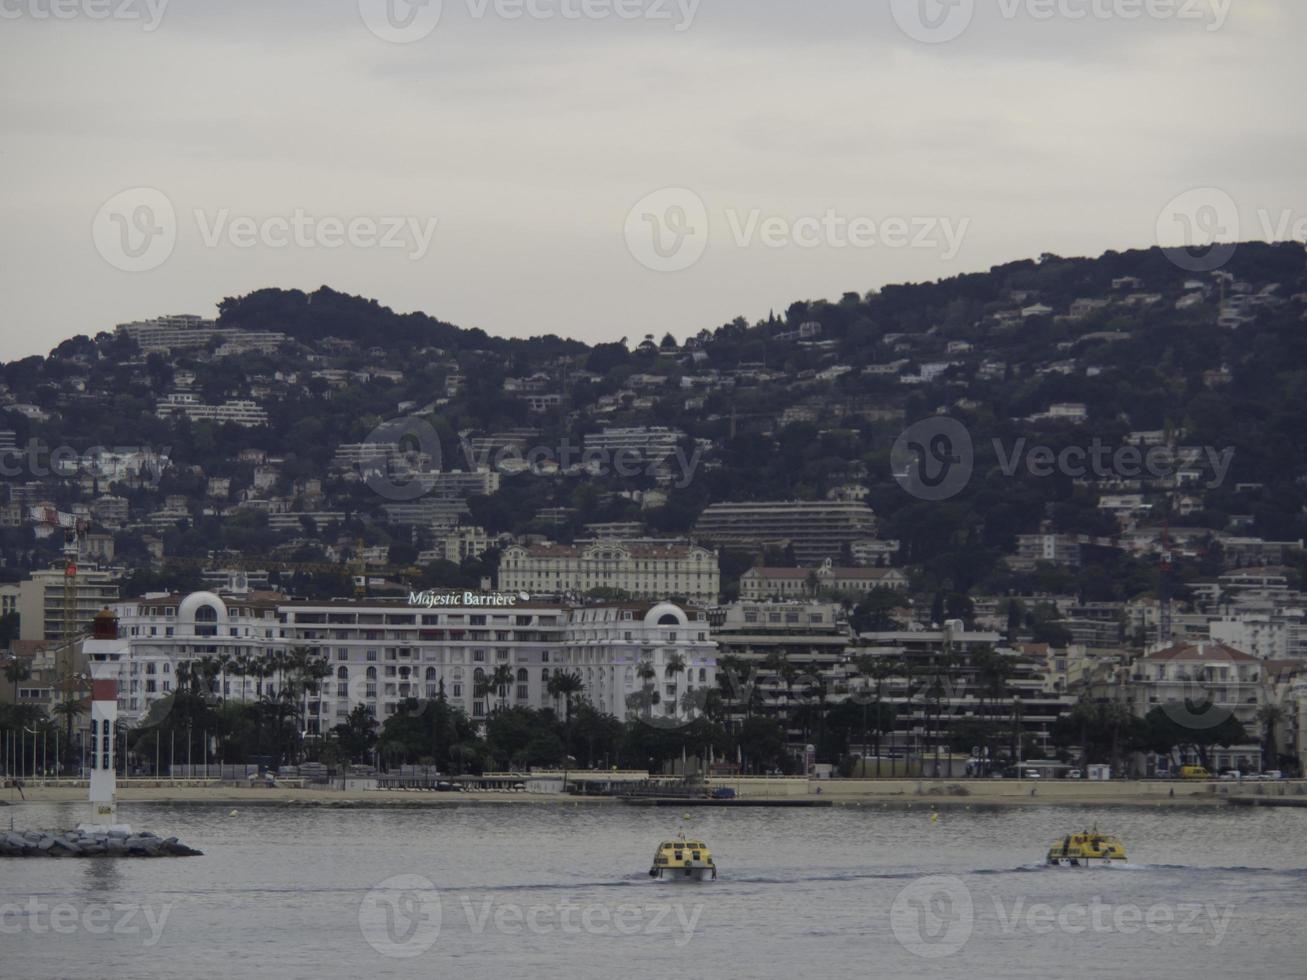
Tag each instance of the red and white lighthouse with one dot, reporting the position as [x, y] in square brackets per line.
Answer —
[104, 653]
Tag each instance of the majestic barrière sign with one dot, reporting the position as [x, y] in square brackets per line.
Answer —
[431, 598]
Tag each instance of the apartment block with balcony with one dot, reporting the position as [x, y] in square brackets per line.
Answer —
[41, 601]
[816, 529]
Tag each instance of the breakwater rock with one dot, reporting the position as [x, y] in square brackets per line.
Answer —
[91, 843]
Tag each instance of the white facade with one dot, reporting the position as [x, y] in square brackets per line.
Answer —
[645, 571]
[383, 653]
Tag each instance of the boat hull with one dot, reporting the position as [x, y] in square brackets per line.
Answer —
[1083, 862]
[683, 875]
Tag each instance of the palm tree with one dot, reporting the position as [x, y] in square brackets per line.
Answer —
[69, 709]
[495, 685]
[565, 684]
[17, 671]
[675, 665]
[1270, 715]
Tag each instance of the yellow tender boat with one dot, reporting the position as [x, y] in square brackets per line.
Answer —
[1087, 848]
[683, 860]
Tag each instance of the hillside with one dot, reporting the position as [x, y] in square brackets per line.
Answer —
[1123, 347]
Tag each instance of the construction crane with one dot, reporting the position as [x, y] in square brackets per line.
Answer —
[1167, 565]
[49, 520]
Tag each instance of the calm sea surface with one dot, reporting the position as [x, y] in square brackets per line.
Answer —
[508, 891]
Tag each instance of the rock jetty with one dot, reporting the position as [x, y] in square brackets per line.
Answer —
[114, 842]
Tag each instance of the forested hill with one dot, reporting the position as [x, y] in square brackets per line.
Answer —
[1055, 351]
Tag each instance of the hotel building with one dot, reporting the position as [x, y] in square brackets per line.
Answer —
[647, 571]
[383, 653]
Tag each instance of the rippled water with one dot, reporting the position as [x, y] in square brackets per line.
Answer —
[506, 891]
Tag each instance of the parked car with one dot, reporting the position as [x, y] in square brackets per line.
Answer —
[1032, 774]
[1231, 774]
[1194, 772]
[1075, 774]
[1270, 774]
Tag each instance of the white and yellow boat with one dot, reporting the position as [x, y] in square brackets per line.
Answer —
[1087, 849]
[683, 860]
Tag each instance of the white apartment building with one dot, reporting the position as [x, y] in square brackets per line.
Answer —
[643, 442]
[817, 529]
[795, 583]
[649, 571]
[626, 653]
[1191, 674]
[383, 653]
[241, 411]
[166, 334]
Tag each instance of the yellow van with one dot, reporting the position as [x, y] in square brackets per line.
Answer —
[1194, 772]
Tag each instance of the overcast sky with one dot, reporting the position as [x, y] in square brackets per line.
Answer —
[496, 170]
